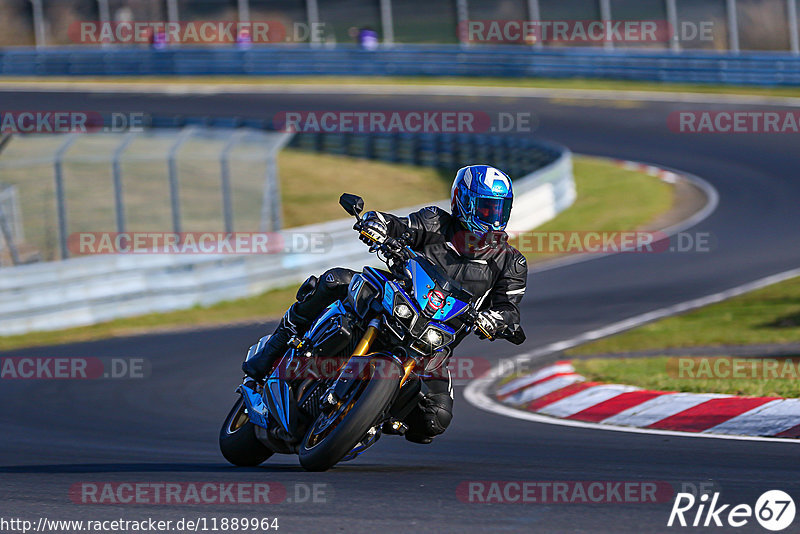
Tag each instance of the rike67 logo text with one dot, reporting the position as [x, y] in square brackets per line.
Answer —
[774, 510]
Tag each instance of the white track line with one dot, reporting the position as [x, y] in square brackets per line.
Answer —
[477, 391]
[478, 398]
[100, 86]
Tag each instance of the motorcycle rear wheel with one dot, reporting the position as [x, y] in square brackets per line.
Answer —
[237, 439]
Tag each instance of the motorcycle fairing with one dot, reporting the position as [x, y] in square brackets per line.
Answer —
[361, 292]
[374, 276]
[389, 290]
[278, 395]
[256, 409]
[424, 284]
[337, 308]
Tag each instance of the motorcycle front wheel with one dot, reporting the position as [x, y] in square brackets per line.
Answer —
[238, 441]
[333, 435]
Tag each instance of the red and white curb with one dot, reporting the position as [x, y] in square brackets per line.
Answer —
[664, 175]
[558, 391]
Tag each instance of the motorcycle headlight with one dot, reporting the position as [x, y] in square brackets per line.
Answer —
[435, 337]
[402, 310]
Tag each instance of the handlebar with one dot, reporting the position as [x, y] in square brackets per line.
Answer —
[395, 249]
[471, 318]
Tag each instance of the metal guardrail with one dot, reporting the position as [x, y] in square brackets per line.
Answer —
[750, 68]
[88, 290]
[514, 154]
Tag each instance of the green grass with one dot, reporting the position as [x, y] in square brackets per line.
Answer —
[600, 184]
[769, 315]
[311, 185]
[597, 207]
[260, 308]
[663, 374]
[547, 83]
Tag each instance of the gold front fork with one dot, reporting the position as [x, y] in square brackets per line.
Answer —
[408, 367]
[363, 348]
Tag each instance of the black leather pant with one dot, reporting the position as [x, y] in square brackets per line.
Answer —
[433, 414]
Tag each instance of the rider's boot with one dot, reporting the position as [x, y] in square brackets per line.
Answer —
[432, 415]
[260, 365]
[418, 438]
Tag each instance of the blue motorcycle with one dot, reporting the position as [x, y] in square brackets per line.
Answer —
[355, 374]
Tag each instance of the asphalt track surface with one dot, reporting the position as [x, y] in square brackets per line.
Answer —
[164, 428]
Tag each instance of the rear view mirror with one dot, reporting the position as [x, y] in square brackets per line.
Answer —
[352, 204]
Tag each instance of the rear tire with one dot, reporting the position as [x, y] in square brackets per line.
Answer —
[237, 439]
[320, 454]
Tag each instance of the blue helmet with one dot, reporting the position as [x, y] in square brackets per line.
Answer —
[481, 198]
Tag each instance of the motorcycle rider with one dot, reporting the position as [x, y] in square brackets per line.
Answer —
[469, 244]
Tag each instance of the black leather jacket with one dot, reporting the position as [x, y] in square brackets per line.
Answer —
[495, 273]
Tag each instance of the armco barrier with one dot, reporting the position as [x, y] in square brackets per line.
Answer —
[753, 68]
[88, 290]
[515, 155]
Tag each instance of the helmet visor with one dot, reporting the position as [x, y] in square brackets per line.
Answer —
[493, 211]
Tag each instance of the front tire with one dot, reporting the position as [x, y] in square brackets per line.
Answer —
[324, 445]
[237, 439]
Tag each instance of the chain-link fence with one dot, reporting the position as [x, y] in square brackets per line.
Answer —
[11, 231]
[685, 24]
[160, 180]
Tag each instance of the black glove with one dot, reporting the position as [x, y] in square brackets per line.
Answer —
[373, 228]
[489, 323]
